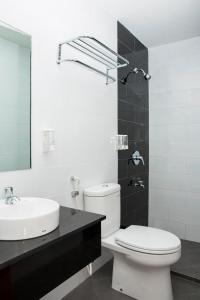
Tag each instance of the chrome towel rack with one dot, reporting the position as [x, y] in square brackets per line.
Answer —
[96, 50]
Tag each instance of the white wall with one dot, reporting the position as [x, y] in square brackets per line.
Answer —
[71, 100]
[174, 138]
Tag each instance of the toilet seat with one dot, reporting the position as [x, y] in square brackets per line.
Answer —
[148, 240]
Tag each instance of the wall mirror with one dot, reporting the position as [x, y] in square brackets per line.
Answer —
[15, 99]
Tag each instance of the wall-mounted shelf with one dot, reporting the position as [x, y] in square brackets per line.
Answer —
[96, 50]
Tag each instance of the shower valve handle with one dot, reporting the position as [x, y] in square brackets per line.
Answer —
[136, 158]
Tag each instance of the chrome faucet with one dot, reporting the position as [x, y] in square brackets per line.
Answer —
[9, 197]
[140, 183]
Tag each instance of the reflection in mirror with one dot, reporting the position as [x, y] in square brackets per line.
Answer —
[15, 99]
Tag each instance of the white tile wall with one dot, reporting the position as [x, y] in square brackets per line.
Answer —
[74, 102]
[174, 138]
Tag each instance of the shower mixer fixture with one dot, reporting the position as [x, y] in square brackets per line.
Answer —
[135, 71]
[136, 158]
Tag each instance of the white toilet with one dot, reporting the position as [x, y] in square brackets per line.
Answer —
[142, 255]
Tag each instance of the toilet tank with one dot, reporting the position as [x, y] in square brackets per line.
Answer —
[104, 199]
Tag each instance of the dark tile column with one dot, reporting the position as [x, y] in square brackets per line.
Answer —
[133, 119]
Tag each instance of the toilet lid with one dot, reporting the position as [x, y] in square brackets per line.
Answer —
[148, 240]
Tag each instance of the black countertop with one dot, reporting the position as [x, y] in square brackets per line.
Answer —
[71, 221]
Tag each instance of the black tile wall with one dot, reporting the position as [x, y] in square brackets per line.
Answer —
[133, 119]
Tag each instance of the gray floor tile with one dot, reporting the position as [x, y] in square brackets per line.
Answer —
[189, 263]
[98, 287]
[184, 288]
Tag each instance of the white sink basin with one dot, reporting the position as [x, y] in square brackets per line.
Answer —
[28, 218]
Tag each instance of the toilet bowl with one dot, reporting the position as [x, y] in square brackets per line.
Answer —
[142, 260]
[142, 255]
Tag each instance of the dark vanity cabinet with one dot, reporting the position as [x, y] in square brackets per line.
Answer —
[29, 269]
